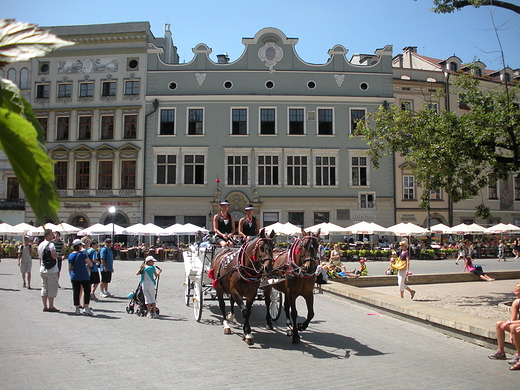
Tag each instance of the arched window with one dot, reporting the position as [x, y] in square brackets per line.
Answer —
[117, 218]
[80, 221]
[11, 75]
[24, 79]
[453, 66]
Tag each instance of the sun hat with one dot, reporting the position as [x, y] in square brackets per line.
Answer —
[249, 207]
[77, 241]
[224, 202]
[149, 258]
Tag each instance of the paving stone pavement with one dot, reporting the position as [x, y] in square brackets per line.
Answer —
[347, 345]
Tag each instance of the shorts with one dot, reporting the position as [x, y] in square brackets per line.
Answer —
[106, 277]
[25, 268]
[49, 284]
[94, 277]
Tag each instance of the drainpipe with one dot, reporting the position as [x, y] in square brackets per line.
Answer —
[155, 105]
[447, 102]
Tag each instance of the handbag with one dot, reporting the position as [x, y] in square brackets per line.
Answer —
[399, 265]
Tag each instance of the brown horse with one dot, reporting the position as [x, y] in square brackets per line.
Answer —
[297, 267]
[238, 273]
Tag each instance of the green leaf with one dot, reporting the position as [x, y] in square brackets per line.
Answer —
[32, 166]
[22, 41]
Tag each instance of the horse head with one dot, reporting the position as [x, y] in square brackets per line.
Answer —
[308, 251]
[262, 249]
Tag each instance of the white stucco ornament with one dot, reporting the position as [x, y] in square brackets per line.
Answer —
[270, 54]
[339, 79]
[200, 77]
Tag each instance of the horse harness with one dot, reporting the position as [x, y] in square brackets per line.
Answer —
[290, 266]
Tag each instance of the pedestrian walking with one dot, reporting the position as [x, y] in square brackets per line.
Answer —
[501, 250]
[516, 247]
[402, 265]
[25, 261]
[106, 256]
[79, 264]
[93, 255]
[149, 272]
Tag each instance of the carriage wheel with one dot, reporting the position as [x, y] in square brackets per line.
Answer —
[275, 308]
[187, 289]
[197, 298]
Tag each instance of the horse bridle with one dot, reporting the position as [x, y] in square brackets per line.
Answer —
[296, 249]
[253, 274]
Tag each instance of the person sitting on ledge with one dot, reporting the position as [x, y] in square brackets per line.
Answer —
[476, 269]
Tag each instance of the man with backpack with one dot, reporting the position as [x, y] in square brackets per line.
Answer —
[48, 271]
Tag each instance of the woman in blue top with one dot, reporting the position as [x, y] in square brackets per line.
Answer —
[79, 264]
[148, 272]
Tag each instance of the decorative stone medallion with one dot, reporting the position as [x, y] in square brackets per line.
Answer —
[270, 54]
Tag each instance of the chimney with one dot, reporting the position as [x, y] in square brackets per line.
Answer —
[222, 58]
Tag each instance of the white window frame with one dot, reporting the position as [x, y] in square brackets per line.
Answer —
[189, 152]
[260, 121]
[233, 152]
[231, 121]
[168, 151]
[269, 152]
[350, 126]
[297, 153]
[289, 121]
[188, 121]
[318, 121]
[406, 187]
[174, 122]
[358, 153]
[366, 193]
[325, 153]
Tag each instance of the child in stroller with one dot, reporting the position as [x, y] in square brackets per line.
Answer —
[144, 298]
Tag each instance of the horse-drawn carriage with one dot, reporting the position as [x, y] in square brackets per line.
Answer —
[252, 271]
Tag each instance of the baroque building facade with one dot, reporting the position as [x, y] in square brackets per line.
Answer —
[267, 129]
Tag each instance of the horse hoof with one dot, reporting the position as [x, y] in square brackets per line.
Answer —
[300, 327]
[227, 330]
[230, 317]
[249, 341]
[296, 340]
[289, 333]
[269, 327]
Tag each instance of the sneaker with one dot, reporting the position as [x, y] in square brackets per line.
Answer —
[149, 315]
[24, 285]
[92, 296]
[515, 359]
[88, 311]
[109, 294]
[498, 356]
[103, 295]
[155, 315]
[77, 311]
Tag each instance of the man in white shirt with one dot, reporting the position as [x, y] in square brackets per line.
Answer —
[49, 276]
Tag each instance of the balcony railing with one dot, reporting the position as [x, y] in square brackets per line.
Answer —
[12, 204]
[99, 193]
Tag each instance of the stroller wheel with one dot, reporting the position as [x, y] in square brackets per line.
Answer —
[157, 310]
[130, 310]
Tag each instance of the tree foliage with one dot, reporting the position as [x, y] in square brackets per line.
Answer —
[449, 6]
[21, 135]
[458, 153]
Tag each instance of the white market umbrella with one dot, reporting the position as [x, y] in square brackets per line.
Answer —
[408, 229]
[24, 226]
[364, 227]
[186, 229]
[193, 229]
[136, 230]
[514, 228]
[466, 229]
[99, 229]
[502, 228]
[9, 230]
[153, 230]
[278, 228]
[326, 228]
[173, 229]
[440, 228]
[66, 228]
[40, 230]
[88, 231]
[290, 229]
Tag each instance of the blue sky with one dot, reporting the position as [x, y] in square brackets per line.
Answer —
[362, 26]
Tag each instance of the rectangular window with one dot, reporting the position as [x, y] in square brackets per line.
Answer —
[355, 116]
[108, 88]
[196, 121]
[492, 188]
[267, 121]
[433, 107]
[167, 126]
[367, 201]
[269, 218]
[64, 90]
[359, 171]
[43, 91]
[44, 124]
[237, 170]
[105, 175]
[408, 188]
[320, 217]
[132, 87]
[82, 175]
[325, 122]
[130, 127]
[343, 214]
[13, 188]
[194, 166]
[166, 169]
[268, 170]
[406, 105]
[297, 170]
[128, 173]
[436, 194]
[296, 123]
[325, 171]
[60, 175]
[239, 121]
[84, 127]
[86, 89]
[107, 127]
[62, 128]
[296, 218]
[517, 187]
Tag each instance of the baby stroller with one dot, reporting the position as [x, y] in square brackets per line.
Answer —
[137, 303]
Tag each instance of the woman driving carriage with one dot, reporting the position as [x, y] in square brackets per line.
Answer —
[224, 225]
[248, 227]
